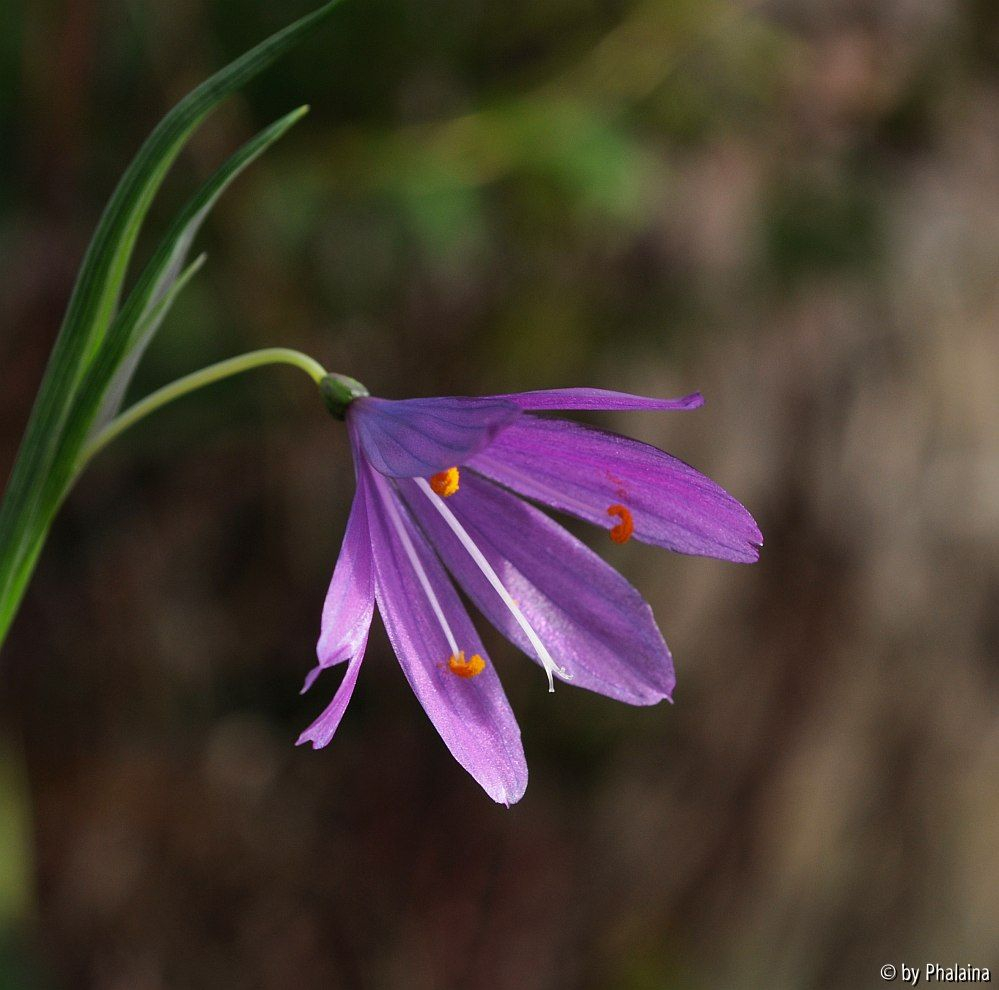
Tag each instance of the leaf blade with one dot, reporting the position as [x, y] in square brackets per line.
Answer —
[94, 299]
[132, 331]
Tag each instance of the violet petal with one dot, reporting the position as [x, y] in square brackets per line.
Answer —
[472, 715]
[584, 471]
[587, 615]
[418, 437]
[350, 600]
[321, 731]
[597, 398]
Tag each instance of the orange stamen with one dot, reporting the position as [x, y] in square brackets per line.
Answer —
[466, 668]
[446, 482]
[621, 533]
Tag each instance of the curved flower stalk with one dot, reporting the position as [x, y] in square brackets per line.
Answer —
[444, 494]
[445, 487]
[442, 497]
[106, 331]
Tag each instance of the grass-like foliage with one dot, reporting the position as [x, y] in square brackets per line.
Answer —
[102, 338]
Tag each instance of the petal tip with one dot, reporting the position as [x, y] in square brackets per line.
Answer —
[310, 678]
[508, 798]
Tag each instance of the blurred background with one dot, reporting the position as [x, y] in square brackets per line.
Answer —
[792, 206]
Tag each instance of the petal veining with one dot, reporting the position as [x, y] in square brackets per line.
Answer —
[589, 616]
[321, 731]
[489, 573]
[598, 398]
[420, 437]
[472, 715]
[585, 471]
[350, 600]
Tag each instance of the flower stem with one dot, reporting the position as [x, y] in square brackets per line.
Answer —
[194, 381]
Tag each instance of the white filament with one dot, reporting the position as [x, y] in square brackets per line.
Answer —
[388, 498]
[476, 554]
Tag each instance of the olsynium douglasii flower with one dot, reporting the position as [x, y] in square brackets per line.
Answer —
[442, 495]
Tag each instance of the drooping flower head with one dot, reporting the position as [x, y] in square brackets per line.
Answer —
[445, 493]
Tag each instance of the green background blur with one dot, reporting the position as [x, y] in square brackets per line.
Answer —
[792, 206]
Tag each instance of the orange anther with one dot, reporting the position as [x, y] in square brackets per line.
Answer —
[621, 533]
[445, 483]
[466, 668]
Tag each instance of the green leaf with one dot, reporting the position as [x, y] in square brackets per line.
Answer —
[92, 350]
[135, 325]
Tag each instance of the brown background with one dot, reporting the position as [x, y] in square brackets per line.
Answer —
[793, 207]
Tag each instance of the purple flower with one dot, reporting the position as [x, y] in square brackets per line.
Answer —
[442, 490]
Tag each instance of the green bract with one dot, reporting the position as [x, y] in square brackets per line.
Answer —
[100, 341]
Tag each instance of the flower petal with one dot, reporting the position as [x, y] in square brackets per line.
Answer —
[350, 601]
[585, 472]
[587, 615]
[409, 438]
[597, 398]
[321, 731]
[472, 715]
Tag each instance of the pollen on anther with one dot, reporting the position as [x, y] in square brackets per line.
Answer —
[445, 483]
[466, 668]
[621, 533]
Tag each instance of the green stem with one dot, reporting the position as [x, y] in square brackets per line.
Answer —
[191, 383]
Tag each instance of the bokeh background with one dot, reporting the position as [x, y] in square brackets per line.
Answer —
[792, 206]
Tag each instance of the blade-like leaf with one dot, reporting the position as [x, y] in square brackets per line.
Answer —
[59, 422]
[147, 324]
[132, 329]
[20, 578]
